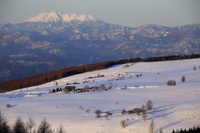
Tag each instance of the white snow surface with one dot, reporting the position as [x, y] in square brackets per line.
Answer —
[175, 107]
[61, 17]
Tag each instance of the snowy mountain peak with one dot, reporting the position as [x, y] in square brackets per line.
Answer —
[61, 17]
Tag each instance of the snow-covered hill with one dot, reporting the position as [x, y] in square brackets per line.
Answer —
[132, 85]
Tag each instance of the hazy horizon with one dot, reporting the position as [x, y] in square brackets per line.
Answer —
[130, 13]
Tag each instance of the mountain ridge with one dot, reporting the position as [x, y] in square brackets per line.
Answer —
[30, 48]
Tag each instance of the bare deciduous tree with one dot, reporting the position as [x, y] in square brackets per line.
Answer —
[152, 127]
[108, 114]
[149, 105]
[161, 131]
[30, 124]
[123, 112]
[86, 88]
[102, 87]
[144, 115]
[123, 123]
[143, 108]
[87, 110]
[98, 113]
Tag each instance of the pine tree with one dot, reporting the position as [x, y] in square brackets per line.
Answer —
[194, 68]
[183, 79]
[19, 126]
[61, 129]
[44, 127]
[4, 128]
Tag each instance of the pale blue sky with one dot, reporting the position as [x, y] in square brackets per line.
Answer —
[131, 13]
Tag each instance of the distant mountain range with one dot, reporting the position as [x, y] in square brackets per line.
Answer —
[55, 40]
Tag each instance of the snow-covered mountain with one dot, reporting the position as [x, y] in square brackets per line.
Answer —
[56, 40]
[174, 107]
[58, 17]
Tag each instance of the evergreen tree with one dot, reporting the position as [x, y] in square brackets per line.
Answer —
[194, 68]
[4, 128]
[61, 129]
[44, 127]
[19, 126]
[183, 79]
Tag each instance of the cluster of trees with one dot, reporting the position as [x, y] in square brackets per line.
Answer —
[27, 127]
[123, 123]
[190, 130]
[54, 75]
[98, 114]
[171, 82]
[143, 110]
[55, 90]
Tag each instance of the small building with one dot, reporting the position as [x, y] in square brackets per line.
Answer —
[68, 89]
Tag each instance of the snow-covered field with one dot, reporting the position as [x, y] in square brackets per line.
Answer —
[175, 107]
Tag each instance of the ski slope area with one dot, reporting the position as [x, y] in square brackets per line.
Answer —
[132, 85]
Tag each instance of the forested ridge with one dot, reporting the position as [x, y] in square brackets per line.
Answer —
[58, 74]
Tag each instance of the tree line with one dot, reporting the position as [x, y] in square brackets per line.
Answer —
[29, 126]
[58, 74]
[190, 130]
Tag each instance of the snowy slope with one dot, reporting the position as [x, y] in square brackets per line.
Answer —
[174, 106]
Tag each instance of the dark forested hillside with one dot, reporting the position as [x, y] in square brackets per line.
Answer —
[58, 74]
